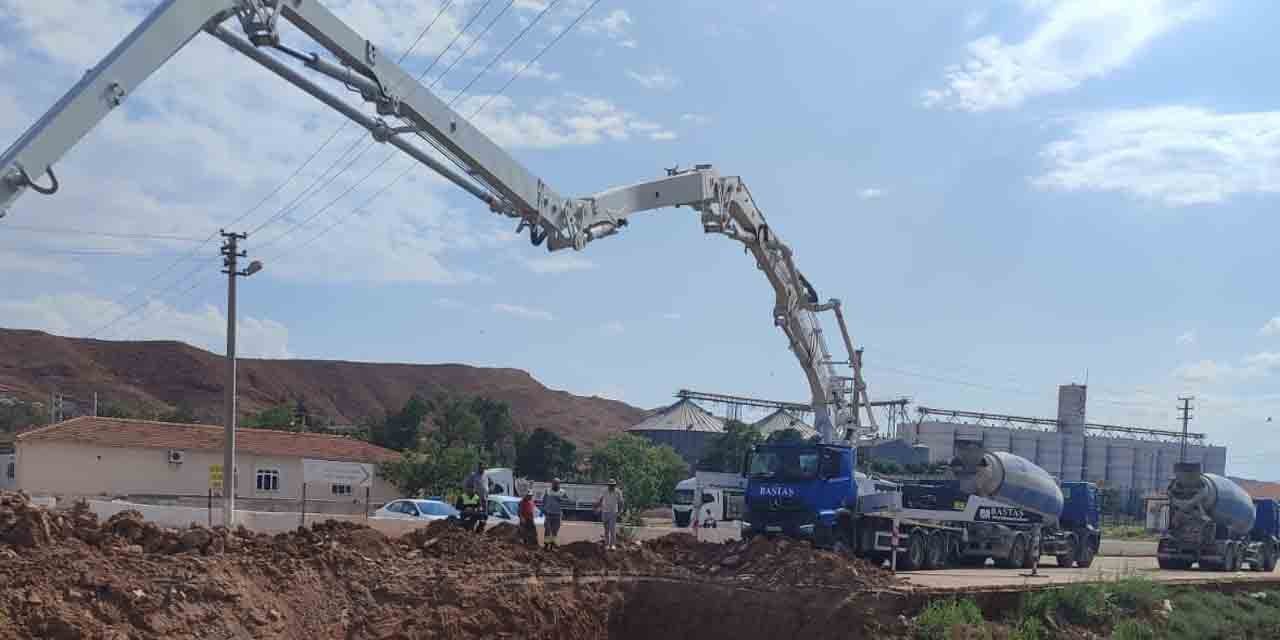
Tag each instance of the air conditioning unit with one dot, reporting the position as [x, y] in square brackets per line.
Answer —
[177, 456]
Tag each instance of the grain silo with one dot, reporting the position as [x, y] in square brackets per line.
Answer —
[683, 426]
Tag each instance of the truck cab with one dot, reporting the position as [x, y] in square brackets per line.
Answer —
[1075, 541]
[1264, 538]
[796, 489]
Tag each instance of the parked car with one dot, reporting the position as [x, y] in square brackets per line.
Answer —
[416, 510]
[507, 509]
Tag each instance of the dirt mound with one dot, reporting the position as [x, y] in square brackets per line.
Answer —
[68, 576]
[779, 562]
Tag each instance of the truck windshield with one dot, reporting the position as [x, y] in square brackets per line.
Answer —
[684, 496]
[784, 463]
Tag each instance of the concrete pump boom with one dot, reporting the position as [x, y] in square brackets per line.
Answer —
[407, 109]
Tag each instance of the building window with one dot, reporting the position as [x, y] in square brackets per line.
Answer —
[340, 489]
[268, 480]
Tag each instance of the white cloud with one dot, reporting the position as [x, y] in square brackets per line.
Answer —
[662, 135]
[695, 119]
[1256, 365]
[614, 25]
[559, 262]
[1203, 371]
[628, 44]
[565, 121]
[870, 193]
[78, 314]
[522, 312]
[1271, 328]
[1074, 41]
[671, 316]
[614, 328]
[530, 5]
[1187, 338]
[534, 70]
[1176, 156]
[659, 79]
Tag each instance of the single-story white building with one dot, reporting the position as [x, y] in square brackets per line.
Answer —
[90, 456]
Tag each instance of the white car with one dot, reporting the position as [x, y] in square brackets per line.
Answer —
[428, 510]
[507, 509]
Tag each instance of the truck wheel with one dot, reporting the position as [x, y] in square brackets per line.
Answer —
[914, 556]
[937, 551]
[1033, 555]
[1066, 561]
[972, 561]
[1085, 559]
[1237, 563]
[1228, 560]
[1269, 560]
[1017, 553]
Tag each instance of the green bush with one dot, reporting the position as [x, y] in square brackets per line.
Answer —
[940, 616]
[1136, 594]
[1130, 629]
[1028, 629]
[1076, 603]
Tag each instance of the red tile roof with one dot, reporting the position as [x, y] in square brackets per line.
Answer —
[1259, 488]
[117, 432]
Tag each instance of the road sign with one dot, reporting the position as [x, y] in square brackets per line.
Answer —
[215, 477]
[356, 474]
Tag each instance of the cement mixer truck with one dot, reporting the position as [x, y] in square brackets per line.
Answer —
[998, 507]
[1211, 524]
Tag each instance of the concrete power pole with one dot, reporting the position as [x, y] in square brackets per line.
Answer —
[1185, 410]
[231, 254]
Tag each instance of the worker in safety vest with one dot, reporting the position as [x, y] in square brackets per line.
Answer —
[472, 509]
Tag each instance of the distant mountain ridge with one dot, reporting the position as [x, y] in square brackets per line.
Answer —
[161, 375]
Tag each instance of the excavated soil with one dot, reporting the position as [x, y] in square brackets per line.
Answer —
[67, 576]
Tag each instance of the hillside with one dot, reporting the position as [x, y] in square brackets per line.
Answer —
[158, 376]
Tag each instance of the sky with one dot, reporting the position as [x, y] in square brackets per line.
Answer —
[1007, 196]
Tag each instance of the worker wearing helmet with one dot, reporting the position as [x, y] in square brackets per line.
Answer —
[553, 500]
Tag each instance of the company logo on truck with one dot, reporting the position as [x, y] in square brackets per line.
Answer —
[776, 492]
[1012, 515]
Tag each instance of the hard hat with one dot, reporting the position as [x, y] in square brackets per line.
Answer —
[612, 482]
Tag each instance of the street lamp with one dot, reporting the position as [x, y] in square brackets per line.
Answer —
[230, 255]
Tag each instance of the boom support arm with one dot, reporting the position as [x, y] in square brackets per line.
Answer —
[488, 172]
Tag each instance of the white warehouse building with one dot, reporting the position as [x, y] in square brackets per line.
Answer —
[1129, 459]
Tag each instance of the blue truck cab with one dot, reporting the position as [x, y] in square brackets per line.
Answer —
[1266, 525]
[1081, 508]
[796, 489]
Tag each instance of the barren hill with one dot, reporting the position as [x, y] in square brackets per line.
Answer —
[158, 376]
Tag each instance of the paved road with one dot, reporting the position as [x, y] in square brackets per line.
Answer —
[1104, 568]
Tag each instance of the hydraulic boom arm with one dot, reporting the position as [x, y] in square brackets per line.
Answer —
[406, 109]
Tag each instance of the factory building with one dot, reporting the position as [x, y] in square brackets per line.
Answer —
[683, 426]
[1134, 461]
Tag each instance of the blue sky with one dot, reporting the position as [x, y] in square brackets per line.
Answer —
[1007, 196]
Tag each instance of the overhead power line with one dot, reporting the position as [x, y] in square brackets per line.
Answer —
[536, 56]
[505, 49]
[102, 234]
[471, 44]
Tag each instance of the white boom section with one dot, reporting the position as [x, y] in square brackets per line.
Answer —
[491, 174]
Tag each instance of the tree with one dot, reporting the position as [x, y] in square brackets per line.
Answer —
[434, 469]
[182, 413]
[788, 435]
[496, 425]
[278, 417]
[647, 473]
[113, 410]
[543, 455]
[457, 424]
[400, 430]
[726, 451]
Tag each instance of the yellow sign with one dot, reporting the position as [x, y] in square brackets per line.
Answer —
[215, 477]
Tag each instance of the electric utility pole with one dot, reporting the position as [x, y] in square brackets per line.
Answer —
[1185, 410]
[231, 254]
